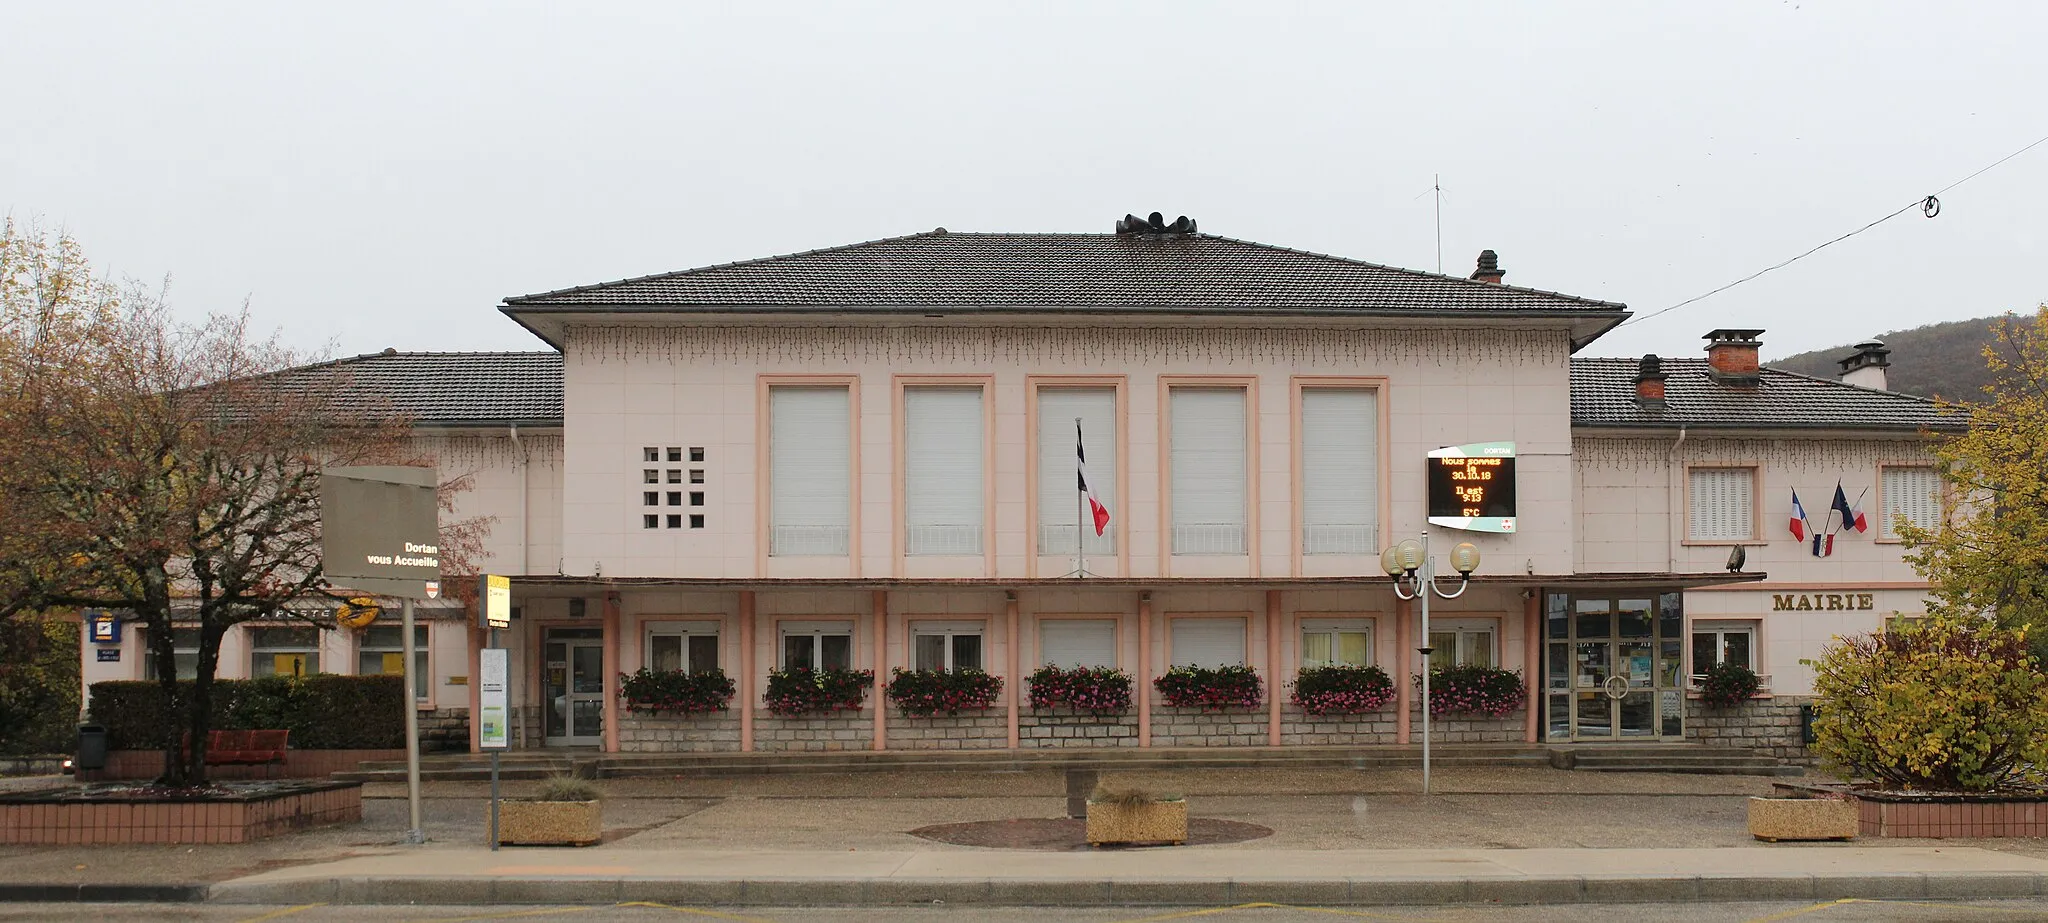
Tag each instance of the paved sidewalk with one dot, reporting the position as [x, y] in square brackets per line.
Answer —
[1175, 877]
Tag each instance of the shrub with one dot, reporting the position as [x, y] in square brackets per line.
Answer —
[567, 788]
[923, 693]
[803, 691]
[1210, 687]
[1943, 705]
[678, 692]
[1727, 685]
[1095, 690]
[1341, 689]
[324, 711]
[1468, 689]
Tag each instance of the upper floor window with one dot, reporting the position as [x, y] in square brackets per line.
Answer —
[682, 646]
[942, 470]
[1077, 642]
[1336, 642]
[1060, 509]
[1913, 493]
[810, 461]
[1340, 499]
[1723, 504]
[1208, 433]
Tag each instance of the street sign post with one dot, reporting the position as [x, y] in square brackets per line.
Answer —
[493, 670]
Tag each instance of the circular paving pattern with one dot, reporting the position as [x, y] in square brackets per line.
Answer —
[1070, 833]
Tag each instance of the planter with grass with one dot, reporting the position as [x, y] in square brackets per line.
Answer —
[1132, 817]
[563, 811]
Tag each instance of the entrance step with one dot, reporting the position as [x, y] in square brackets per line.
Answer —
[1684, 758]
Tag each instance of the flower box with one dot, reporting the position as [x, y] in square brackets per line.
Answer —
[1210, 688]
[550, 823]
[1775, 819]
[1150, 822]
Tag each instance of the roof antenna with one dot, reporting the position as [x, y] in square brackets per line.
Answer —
[1437, 181]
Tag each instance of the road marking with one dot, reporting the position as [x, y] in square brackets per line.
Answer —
[504, 916]
[281, 912]
[697, 911]
[1802, 911]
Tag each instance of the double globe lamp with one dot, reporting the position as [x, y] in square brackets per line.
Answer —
[1415, 578]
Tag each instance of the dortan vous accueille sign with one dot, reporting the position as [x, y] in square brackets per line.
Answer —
[380, 529]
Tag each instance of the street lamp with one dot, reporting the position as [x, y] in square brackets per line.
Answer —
[1415, 578]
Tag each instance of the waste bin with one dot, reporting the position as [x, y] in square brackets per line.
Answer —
[92, 748]
[1806, 724]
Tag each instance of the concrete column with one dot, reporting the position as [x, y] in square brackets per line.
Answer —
[1532, 659]
[746, 684]
[1273, 668]
[1144, 671]
[1010, 682]
[1404, 667]
[881, 698]
[611, 673]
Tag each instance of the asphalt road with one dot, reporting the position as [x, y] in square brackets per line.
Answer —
[1830, 912]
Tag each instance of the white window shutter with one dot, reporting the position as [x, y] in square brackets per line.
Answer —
[1077, 642]
[1340, 500]
[1723, 504]
[1059, 500]
[942, 470]
[1914, 493]
[810, 459]
[1208, 445]
[1208, 642]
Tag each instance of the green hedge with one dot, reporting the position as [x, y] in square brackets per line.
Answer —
[324, 711]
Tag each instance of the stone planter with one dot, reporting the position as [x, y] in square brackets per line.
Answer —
[1151, 822]
[1775, 819]
[550, 823]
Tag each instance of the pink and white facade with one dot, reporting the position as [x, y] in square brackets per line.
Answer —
[865, 457]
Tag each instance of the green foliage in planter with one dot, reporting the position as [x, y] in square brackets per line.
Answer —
[924, 693]
[1936, 704]
[1210, 687]
[804, 691]
[1470, 689]
[675, 691]
[1727, 685]
[1095, 690]
[324, 711]
[1342, 689]
[567, 788]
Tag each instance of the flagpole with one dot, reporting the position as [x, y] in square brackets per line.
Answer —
[1080, 510]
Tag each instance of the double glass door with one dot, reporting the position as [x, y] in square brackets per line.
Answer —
[573, 682]
[1612, 667]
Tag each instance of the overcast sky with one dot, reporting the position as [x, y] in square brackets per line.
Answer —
[381, 175]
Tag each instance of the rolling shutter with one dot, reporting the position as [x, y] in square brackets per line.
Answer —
[810, 460]
[942, 471]
[1723, 504]
[1077, 642]
[1339, 471]
[1058, 491]
[1208, 446]
[1914, 493]
[1208, 642]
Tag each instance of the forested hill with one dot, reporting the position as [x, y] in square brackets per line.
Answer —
[1938, 360]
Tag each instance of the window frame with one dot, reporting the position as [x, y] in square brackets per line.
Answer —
[311, 649]
[1244, 624]
[1720, 629]
[1248, 388]
[1111, 475]
[1377, 386]
[422, 645]
[900, 426]
[1116, 638]
[817, 630]
[684, 629]
[1755, 507]
[149, 662]
[764, 486]
[1465, 628]
[1334, 626]
[950, 629]
[1884, 518]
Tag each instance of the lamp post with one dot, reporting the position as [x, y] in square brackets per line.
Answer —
[1415, 578]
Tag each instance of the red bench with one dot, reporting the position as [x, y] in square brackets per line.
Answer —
[246, 748]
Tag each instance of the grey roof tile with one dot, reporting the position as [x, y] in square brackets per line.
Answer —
[1603, 395]
[451, 389]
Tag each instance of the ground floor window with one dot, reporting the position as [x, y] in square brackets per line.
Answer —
[1329, 642]
[284, 651]
[682, 646]
[946, 645]
[1462, 642]
[184, 646]
[817, 645]
[1208, 642]
[1716, 643]
[1077, 642]
[382, 653]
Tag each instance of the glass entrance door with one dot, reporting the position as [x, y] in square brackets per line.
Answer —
[1611, 670]
[573, 681]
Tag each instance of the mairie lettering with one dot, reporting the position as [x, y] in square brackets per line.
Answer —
[1828, 602]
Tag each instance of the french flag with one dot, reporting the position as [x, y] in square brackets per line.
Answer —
[1096, 510]
[1852, 516]
[1799, 525]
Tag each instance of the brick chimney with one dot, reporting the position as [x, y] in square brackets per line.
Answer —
[1731, 356]
[1866, 368]
[1650, 383]
[1489, 268]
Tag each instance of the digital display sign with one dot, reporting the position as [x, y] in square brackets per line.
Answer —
[1472, 487]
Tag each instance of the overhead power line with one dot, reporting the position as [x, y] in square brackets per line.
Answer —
[1929, 205]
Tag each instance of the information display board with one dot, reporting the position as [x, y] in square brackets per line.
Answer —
[494, 601]
[492, 699]
[1472, 487]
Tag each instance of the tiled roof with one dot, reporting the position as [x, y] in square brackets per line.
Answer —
[1091, 273]
[451, 389]
[1603, 395]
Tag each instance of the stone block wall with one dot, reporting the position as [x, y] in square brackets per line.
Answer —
[1768, 726]
[1471, 729]
[845, 730]
[983, 729]
[1302, 730]
[1194, 727]
[444, 729]
[1056, 728]
[715, 732]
